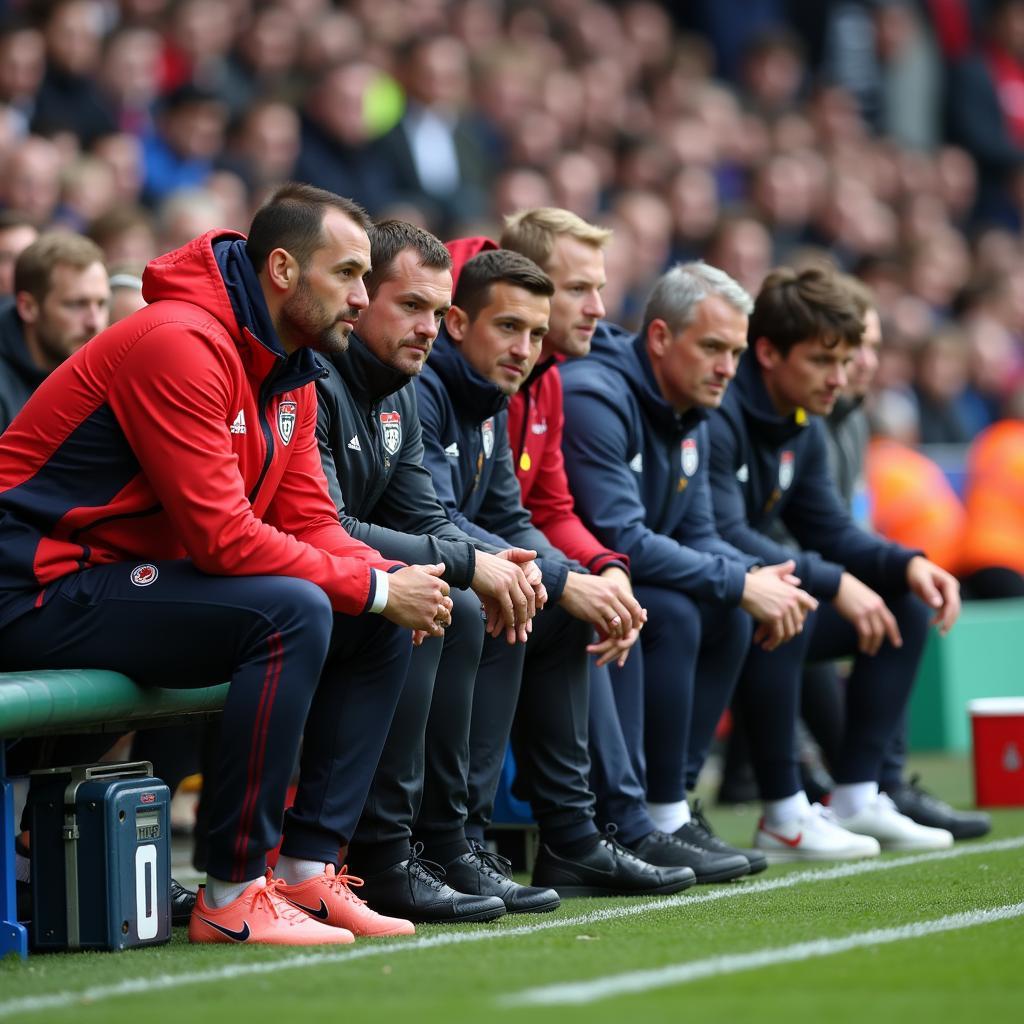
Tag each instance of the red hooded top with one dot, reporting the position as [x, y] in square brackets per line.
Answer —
[535, 421]
[178, 432]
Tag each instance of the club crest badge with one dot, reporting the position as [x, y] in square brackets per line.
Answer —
[688, 455]
[286, 420]
[487, 436]
[391, 431]
[144, 575]
[785, 470]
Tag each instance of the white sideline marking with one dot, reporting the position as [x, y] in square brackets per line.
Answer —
[154, 983]
[577, 993]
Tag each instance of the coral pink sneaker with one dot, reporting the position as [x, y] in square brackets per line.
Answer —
[329, 898]
[261, 916]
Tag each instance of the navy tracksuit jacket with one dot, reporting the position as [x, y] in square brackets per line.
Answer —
[639, 472]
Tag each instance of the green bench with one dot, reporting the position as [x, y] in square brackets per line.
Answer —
[48, 703]
[983, 656]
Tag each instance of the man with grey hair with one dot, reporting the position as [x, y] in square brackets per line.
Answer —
[637, 457]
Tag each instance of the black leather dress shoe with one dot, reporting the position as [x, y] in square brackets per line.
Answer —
[487, 874]
[920, 806]
[411, 890]
[674, 850]
[609, 869]
[704, 835]
[182, 902]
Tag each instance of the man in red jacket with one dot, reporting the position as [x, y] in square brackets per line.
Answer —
[163, 513]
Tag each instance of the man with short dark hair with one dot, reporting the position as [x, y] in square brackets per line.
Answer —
[372, 450]
[61, 300]
[769, 462]
[164, 485]
[494, 332]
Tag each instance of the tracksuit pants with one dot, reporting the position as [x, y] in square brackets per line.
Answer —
[424, 765]
[669, 697]
[542, 688]
[298, 672]
[768, 697]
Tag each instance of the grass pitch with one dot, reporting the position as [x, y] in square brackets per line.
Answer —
[798, 943]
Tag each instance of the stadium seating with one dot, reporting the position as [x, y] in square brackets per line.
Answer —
[48, 703]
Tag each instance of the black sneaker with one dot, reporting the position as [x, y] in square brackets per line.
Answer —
[609, 869]
[182, 902]
[667, 850]
[483, 873]
[920, 806]
[413, 889]
[704, 834]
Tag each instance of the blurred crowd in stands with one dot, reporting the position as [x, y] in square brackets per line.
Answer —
[884, 135]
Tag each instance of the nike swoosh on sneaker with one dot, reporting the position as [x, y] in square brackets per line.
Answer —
[322, 914]
[782, 839]
[239, 936]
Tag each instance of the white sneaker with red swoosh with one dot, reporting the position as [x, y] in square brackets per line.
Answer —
[814, 835]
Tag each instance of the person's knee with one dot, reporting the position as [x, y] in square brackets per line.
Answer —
[671, 615]
[467, 614]
[298, 607]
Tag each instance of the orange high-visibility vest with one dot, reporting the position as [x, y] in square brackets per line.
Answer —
[913, 503]
[995, 499]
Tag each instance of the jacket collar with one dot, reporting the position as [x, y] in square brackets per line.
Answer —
[472, 394]
[758, 408]
[279, 371]
[369, 379]
[645, 386]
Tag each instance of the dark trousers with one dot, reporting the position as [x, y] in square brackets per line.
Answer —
[298, 672]
[543, 687]
[768, 697]
[422, 769]
[823, 709]
[673, 689]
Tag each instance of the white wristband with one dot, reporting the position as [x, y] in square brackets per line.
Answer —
[380, 594]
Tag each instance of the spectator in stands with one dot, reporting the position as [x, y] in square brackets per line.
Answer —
[493, 336]
[371, 447]
[17, 232]
[68, 97]
[22, 66]
[336, 150]
[252, 567]
[125, 295]
[436, 153]
[191, 124]
[634, 399]
[769, 462]
[61, 300]
[30, 180]
[126, 236]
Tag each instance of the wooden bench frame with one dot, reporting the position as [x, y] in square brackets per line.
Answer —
[55, 702]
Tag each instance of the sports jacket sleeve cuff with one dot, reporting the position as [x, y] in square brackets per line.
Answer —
[378, 591]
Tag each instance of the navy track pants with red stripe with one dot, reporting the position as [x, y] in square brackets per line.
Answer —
[298, 672]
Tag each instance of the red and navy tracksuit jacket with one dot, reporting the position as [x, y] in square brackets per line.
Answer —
[196, 389]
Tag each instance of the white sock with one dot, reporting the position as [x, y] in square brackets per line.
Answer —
[852, 797]
[778, 812]
[293, 870]
[220, 893]
[669, 817]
